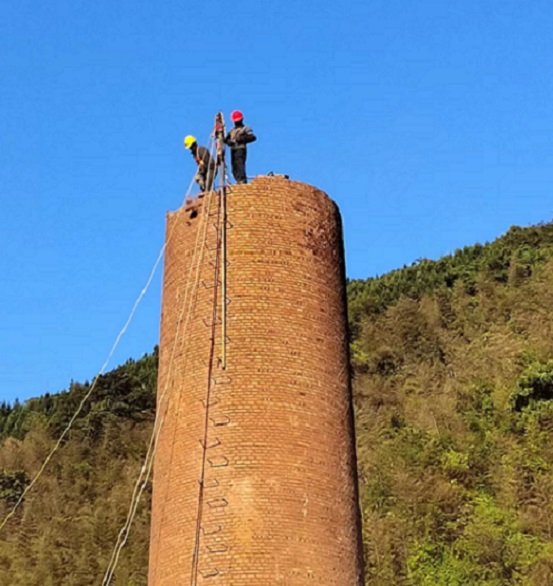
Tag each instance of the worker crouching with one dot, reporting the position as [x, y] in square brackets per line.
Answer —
[237, 139]
[207, 169]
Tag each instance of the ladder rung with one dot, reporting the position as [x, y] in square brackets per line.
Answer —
[210, 573]
[221, 421]
[210, 286]
[222, 380]
[217, 503]
[211, 484]
[216, 443]
[218, 548]
[211, 402]
[218, 462]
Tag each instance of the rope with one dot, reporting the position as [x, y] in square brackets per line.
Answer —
[196, 553]
[88, 394]
[204, 237]
[185, 364]
[146, 469]
[218, 260]
[150, 456]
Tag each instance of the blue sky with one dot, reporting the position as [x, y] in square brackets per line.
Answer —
[430, 123]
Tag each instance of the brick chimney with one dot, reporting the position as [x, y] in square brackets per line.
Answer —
[255, 472]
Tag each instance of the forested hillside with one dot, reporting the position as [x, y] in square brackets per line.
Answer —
[453, 363]
[454, 397]
[66, 530]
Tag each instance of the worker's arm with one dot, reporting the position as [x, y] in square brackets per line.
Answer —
[246, 136]
[204, 158]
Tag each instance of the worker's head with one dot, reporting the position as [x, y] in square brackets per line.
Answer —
[189, 141]
[237, 117]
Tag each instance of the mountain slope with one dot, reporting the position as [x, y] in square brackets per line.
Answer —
[454, 412]
[453, 392]
[65, 532]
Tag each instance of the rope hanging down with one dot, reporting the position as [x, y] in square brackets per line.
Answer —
[102, 370]
[164, 500]
[146, 469]
[220, 270]
[207, 401]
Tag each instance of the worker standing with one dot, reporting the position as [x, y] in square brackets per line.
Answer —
[207, 170]
[237, 139]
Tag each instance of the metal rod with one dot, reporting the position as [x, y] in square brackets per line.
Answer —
[224, 281]
[220, 126]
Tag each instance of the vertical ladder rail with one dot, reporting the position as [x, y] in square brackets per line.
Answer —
[224, 281]
[211, 400]
[220, 138]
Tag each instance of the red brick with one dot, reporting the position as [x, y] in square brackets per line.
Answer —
[280, 499]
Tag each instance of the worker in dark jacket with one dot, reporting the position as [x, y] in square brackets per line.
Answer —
[207, 169]
[237, 139]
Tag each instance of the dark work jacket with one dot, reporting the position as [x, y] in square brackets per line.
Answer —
[239, 137]
[203, 158]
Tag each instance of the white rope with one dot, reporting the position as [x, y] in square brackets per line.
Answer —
[84, 400]
[149, 459]
[152, 448]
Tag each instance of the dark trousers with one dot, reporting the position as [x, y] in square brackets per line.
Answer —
[238, 161]
[205, 178]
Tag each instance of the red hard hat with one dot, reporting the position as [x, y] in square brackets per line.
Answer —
[236, 116]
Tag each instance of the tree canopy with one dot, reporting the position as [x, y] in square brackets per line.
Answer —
[453, 386]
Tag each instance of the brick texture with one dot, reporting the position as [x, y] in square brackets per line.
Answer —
[255, 473]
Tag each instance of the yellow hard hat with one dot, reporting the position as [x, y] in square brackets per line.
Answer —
[189, 141]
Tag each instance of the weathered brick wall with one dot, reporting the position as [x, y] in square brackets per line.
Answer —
[279, 500]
